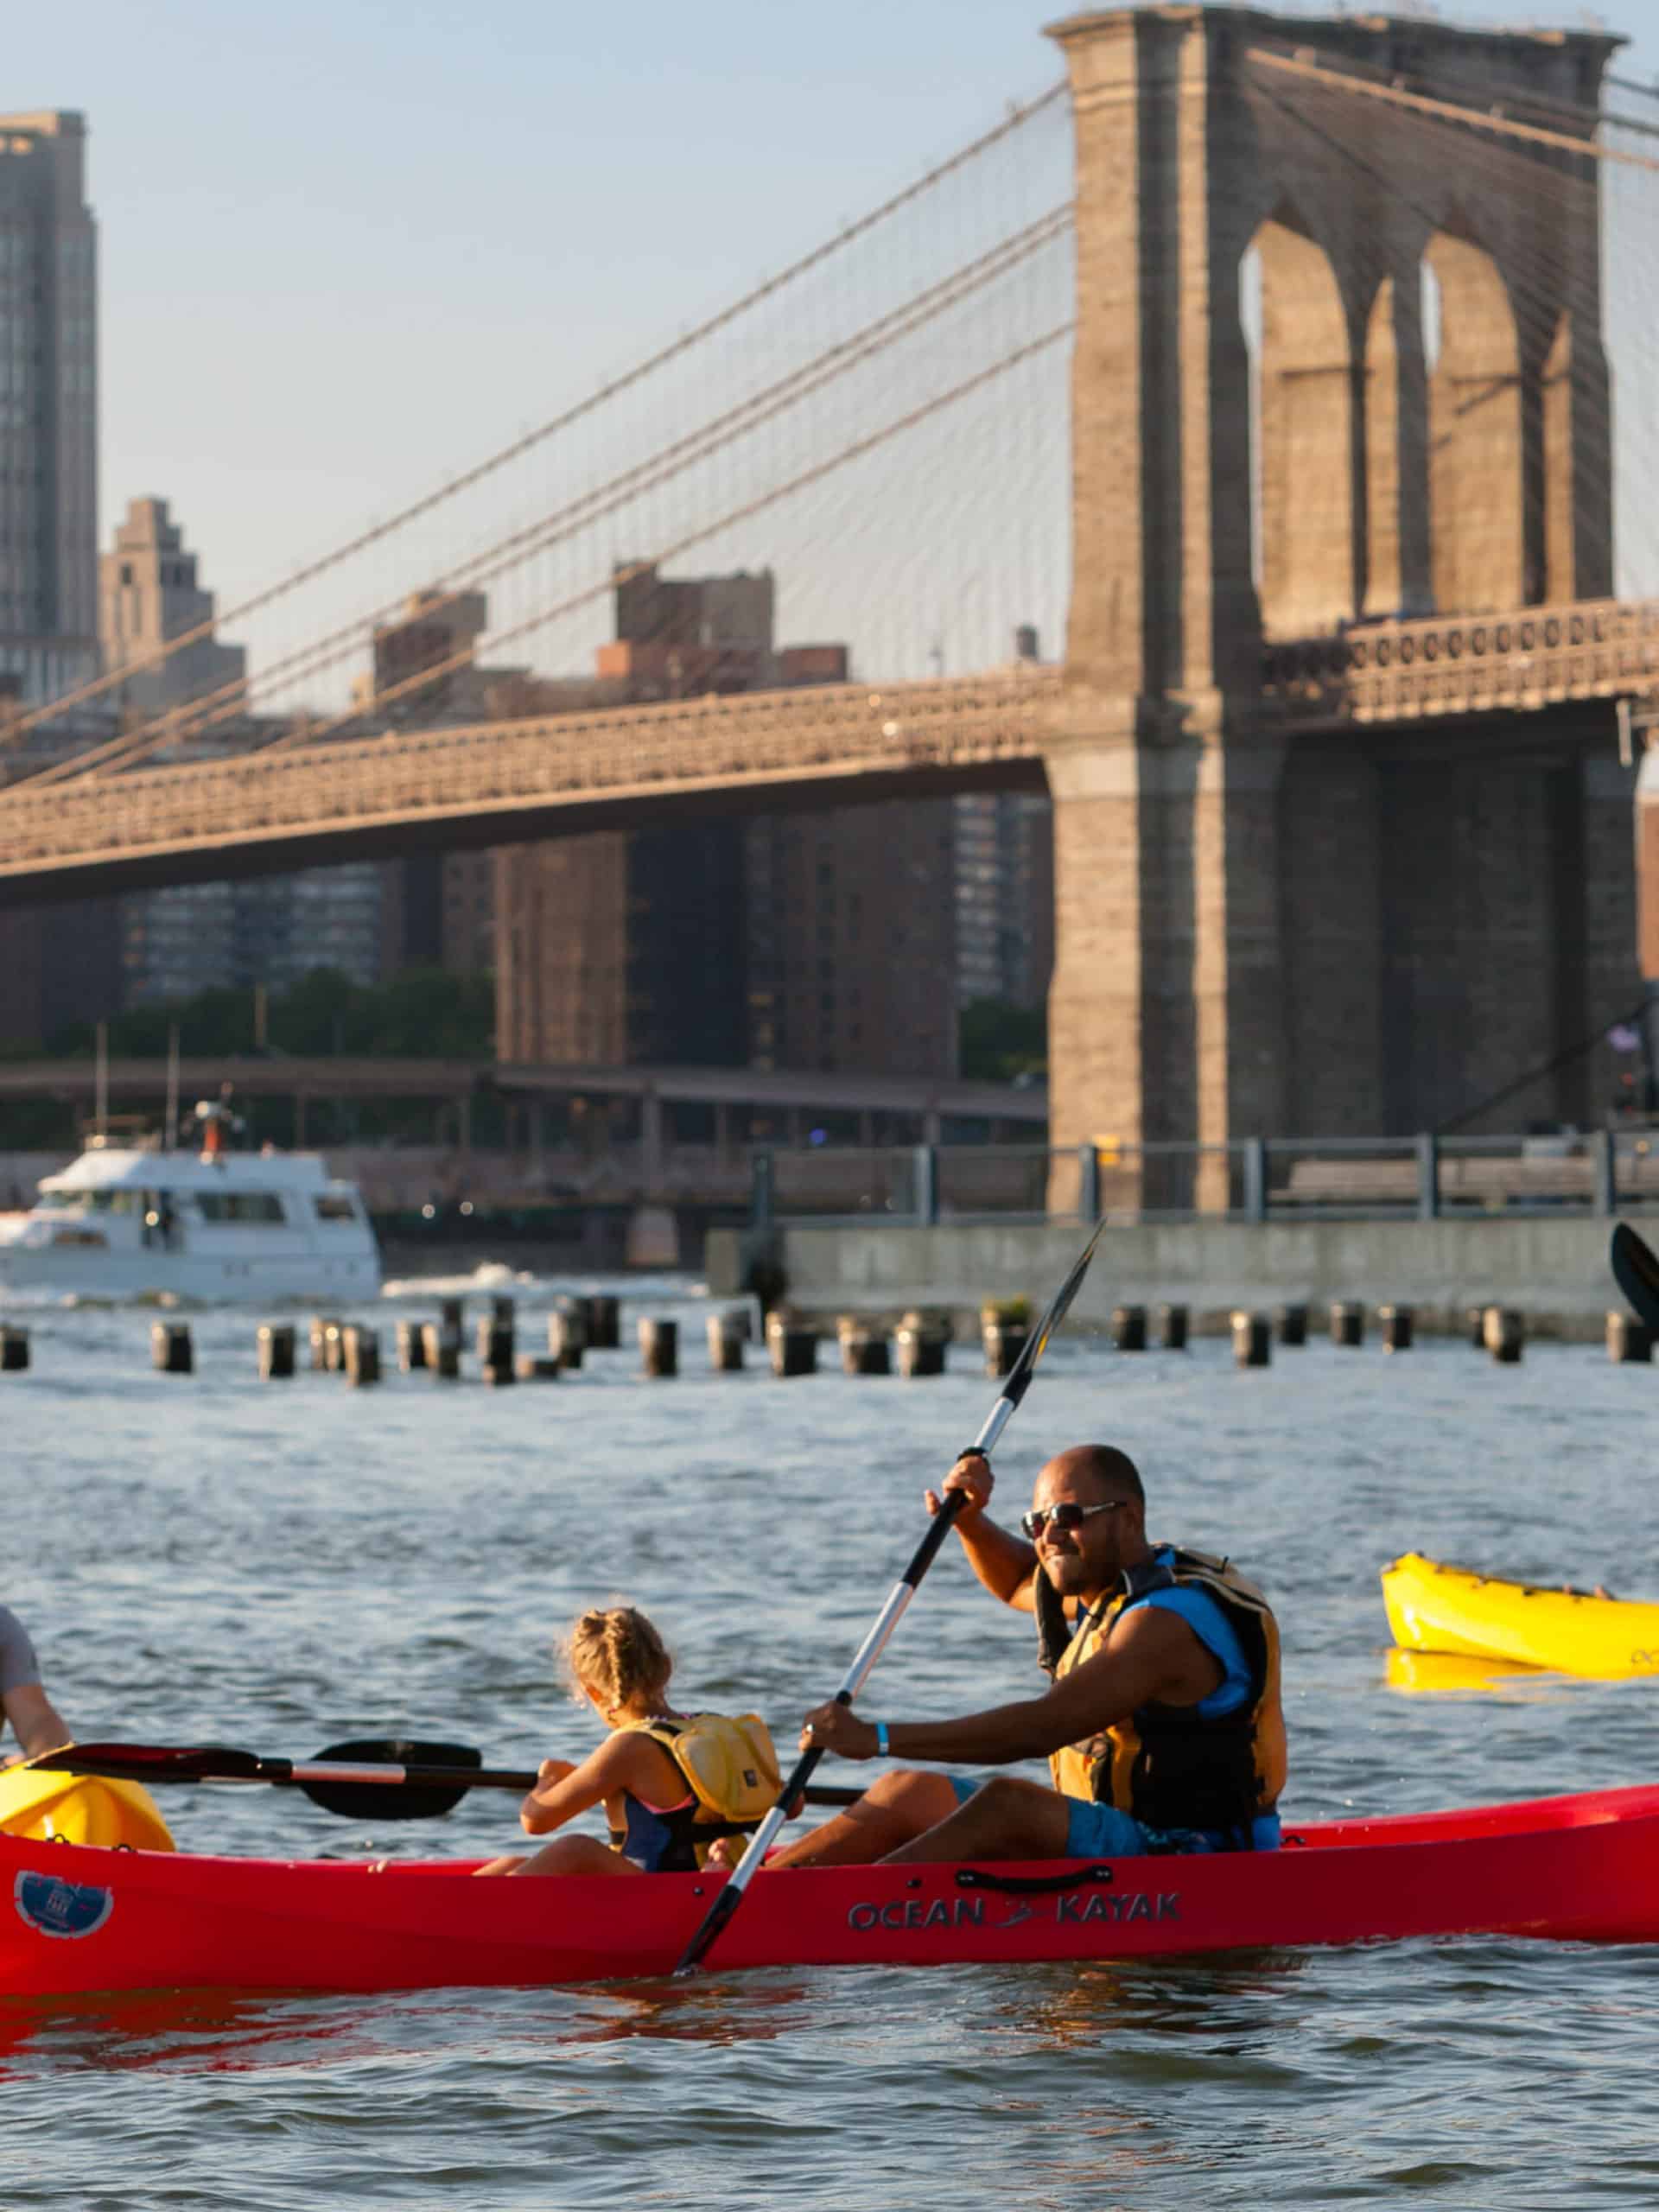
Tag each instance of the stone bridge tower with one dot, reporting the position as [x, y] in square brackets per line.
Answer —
[1337, 360]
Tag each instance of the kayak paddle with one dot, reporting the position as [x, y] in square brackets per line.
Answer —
[385, 1779]
[1014, 1389]
[1636, 1270]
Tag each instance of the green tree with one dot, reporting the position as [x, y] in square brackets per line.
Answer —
[998, 1042]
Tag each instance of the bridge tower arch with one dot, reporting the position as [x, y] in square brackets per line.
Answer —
[1219, 898]
[1477, 519]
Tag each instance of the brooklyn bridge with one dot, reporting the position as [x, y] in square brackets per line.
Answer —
[1301, 327]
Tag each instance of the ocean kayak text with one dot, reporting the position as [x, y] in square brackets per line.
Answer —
[970, 1912]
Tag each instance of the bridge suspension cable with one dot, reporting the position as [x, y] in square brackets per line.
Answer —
[1020, 114]
[689, 539]
[192, 720]
[1476, 118]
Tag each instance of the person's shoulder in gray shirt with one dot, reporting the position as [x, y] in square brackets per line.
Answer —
[18, 1665]
[38, 1725]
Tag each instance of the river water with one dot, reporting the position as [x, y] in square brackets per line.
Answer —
[209, 1558]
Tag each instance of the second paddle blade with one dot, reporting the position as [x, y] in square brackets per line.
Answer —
[390, 1800]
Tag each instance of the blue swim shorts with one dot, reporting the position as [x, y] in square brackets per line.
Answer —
[1102, 1832]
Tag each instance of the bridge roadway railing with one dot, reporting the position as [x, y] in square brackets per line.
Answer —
[779, 738]
[1466, 664]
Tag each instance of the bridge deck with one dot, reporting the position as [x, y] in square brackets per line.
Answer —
[496, 782]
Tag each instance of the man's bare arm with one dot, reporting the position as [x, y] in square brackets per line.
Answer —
[1152, 1656]
[1005, 1563]
[36, 1721]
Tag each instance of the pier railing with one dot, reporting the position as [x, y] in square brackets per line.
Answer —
[1600, 1172]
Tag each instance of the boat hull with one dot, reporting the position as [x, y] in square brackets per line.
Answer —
[1432, 1607]
[128, 1275]
[87, 1920]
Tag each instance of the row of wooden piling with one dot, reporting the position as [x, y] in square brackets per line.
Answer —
[1499, 1329]
[917, 1347]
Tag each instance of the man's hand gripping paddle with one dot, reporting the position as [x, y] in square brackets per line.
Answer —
[1018, 1382]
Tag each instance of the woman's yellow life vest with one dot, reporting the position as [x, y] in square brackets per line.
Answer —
[731, 1769]
[1168, 1765]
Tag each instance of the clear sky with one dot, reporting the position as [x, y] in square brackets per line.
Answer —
[349, 245]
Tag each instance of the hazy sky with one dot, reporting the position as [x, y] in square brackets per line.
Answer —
[348, 245]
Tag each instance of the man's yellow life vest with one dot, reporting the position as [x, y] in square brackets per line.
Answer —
[731, 1769]
[1167, 1764]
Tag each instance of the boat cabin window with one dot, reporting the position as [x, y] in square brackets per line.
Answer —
[89, 1201]
[240, 1206]
[334, 1205]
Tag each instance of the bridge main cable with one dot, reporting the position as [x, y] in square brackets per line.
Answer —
[1017, 117]
[180, 724]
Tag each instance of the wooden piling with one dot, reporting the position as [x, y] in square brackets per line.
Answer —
[411, 1346]
[864, 1350]
[567, 1333]
[1505, 1334]
[1396, 1322]
[1290, 1327]
[318, 1334]
[1172, 1323]
[1130, 1328]
[1348, 1323]
[496, 1350]
[14, 1351]
[660, 1348]
[603, 1318]
[727, 1333]
[441, 1352]
[359, 1355]
[170, 1350]
[791, 1349]
[276, 1343]
[921, 1343]
[1629, 1341]
[1252, 1340]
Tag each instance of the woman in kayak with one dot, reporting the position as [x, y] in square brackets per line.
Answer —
[670, 1782]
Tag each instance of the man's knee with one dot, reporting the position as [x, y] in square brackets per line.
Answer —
[911, 1789]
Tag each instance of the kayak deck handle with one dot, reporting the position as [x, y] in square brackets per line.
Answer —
[1032, 1885]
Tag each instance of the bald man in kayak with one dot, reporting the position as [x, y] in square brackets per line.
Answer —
[1162, 1723]
[23, 1701]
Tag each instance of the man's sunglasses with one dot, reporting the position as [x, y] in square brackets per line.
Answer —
[1067, 1517]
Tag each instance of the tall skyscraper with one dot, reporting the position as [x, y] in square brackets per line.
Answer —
[48, 406]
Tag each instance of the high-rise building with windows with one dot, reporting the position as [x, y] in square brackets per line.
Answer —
[149, 595]
[48, 406]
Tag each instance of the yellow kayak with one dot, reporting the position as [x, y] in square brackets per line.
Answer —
[1432, 1607]
[80, 1808]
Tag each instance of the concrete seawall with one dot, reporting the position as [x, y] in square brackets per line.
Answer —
[1554, 1270]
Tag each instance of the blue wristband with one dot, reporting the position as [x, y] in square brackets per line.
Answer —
[882, 1748]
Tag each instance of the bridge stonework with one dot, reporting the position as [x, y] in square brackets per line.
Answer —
[1266, 919]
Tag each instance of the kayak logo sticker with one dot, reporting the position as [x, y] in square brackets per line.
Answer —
[57, 1907]
[970, 1912]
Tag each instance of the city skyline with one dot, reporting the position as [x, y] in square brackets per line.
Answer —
[408, 279]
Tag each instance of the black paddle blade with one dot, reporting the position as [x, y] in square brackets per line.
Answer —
[370, 1801]
[1025, 1367]
[1636, 1270]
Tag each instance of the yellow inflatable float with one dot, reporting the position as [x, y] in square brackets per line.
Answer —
[1434, 1607]
[80, 1808]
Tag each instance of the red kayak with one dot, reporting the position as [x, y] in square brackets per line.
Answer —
[1584, 1868]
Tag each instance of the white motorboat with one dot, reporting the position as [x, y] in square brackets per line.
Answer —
[131, 1223]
